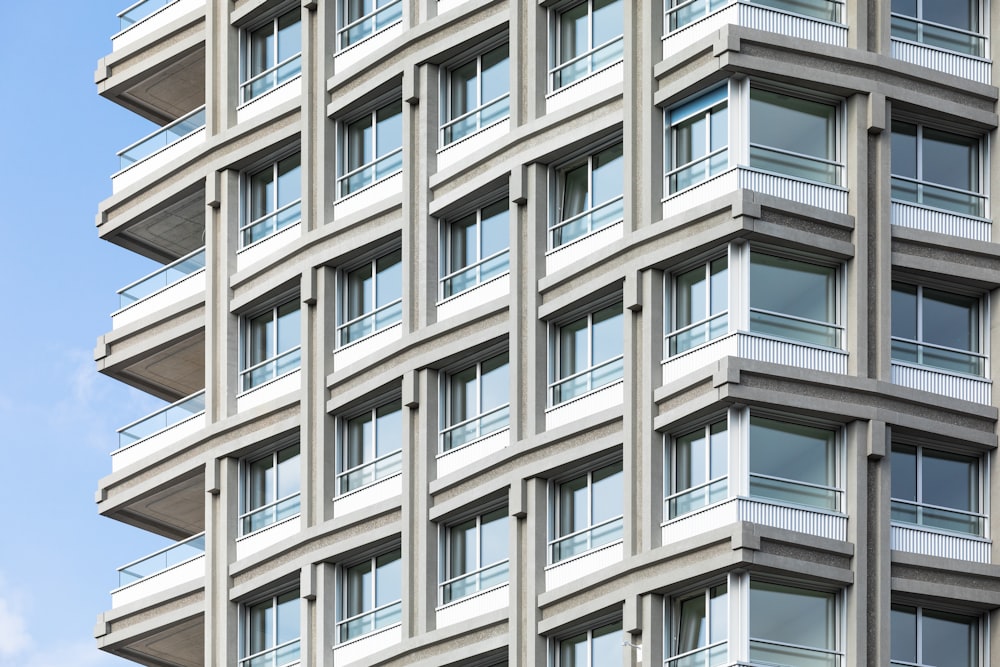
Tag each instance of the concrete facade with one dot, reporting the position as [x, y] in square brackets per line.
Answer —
[283, 351]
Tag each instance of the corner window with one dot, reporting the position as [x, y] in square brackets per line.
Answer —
[794, 300]
[273, 200]
[681, 13]
[588, 36]
[476, 402]
[794, 463]
[373, 298]
[475, 555]
[793, 626]
[699, 305]
[936, 489]
[924, 637]
[588, 353]
[362, 18]
[937, 329]
[794, 136]
[475, 248]
[588, 512]
[697, 469]
[371, 447]
[273, 55]
[588, 196]
[371, 598]
[271, 632]
[271, 489]
[599, 647]
[271, 344]
[699, 631]
[372, 148]
[477, 94]
[697, 139]
[952, 25]
[936, 169]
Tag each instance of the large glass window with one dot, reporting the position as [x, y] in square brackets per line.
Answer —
[794, 136]
[793, 626]
[953, 25]
[600, 647]
[936, 169]
[588, 37]
[697, 469]
[273, 200]
[372, 596]
[476, 555]
[928, 638]
[476, 402]
[936, 489]
[371, 447]
[588, 512]
[699, 629]
[697, 140]
[588, 353]
[477, 95]
[794, 300]
[271, 489]
[588, 196]
[681, 13]
[938, 329]
[794, 463]
[373, 297]
[271, 632]
[373, 148]
[273, 55]
[475, 248]
[271, 344]
[362, 18]
[699, 305]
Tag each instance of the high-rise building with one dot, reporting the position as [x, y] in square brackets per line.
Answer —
[557, 333]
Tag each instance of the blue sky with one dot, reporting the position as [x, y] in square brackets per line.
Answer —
[58, 140]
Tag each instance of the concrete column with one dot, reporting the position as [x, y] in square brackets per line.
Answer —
[222, 68]
[312, 406]
[633, 419]
[326, 613]
[644, 150]
[877, 570]
[531, 580]
[221, 513]
[418, 226]
[221, 327]
[314, 122]
[860, 126]
[878, 245]
[326, 434]
[533, 362]
[653, 649]
[531, 58]
[648, 494]
[858, 447]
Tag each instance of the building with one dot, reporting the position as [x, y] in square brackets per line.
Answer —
[557, 333]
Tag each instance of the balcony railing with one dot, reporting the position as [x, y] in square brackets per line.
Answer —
[681, 14]
[161, 138]
[697, 333]
[473, 121]
[587, 380]
[368, 174]
[474, 274]
[369, 323]
[162, 419]
[466, 431]
[370, 621]
[578, 542]
[472, 582]
[372, 471]
[707, 656]
[943, 197]
[272, 368]
[591, 220]
[767, 652]
[937, 35]
[271, 78]
[278, 656]
[140, 10]
[165, 558]
[587, 63]
[694, 498]
[161, 278]
[271, 223]
[271, 513]
[938, 518]
[938, 356]
[369, 24]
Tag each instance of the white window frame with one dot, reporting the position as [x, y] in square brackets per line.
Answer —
[672, 628]
[294, 62]
[596, 215]
[383, 15]
[276, 601]
[277, 217]
[980, 642]
[277, 508]
[556, 530]
[380, 467]
[496, 572]
[978, 38]
[381, 166]
[484, 422]
[614, 627]
[707, 104]
[391, 609]
[555, 370]
[714, 325]
[284, 361]
[344, 327]
[481, 108]
[611, 51]
[484, 267]
[712, 485]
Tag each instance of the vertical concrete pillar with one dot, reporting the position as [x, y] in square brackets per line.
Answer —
[221, 513]
[533, 363]
[221, 326]
[531, 580]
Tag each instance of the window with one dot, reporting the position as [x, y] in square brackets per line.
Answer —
[936, 489]
[588, 512]
[697, 139]
[699, 305]
[936, 169]
[794, 300]
[945, 24]
[373, 297]
[477, 94]
[371, 447]
[588, 196]
[588, 353]
[588, 37]
[273, 55]
[793, 626]
[697, 469]
[273, 200]
[361, 18]
[476, 555]
[699, 629]
[271, 344]
[271, 489]
[476, 402]
[600, 647]
[373, 148]
[794, 136]
[921, 636]
[372, 597]
[475, 248]
[680, 13]
[794, 463]
[271, 632]
[938, 329]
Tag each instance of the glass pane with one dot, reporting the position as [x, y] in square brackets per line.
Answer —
[793, 288]
[289, 180]
[261, 338]
[359, 441]
[572, 348]
[904, 472]
[388, 429]
[956, 13]
[793, 124]
[691, 296]
[359, 292]
[608, 493]
[389, 279]
[719, 439]
[609, 333]
[573, 652]
[495, 74]
[689, 461]
[904, 149]
[289, 327]
[261, 626]
[462, 551]
[903, 627]
[494, 537]
[388, 578]
[693, 624]
[792, 616]
[289, 36]
[288, 617]
[950, 159]
[389, 128]
[494, 383]
[495, 229]
[607, 646]
[462, 243]
[951, 320]
[462, 396]
[573, 32]
[573, 506]
[792, 451]
[261, 50]
[359, 143]
[288, 471]
[949, 639]
[609, 175]
[904, 311]
[950, 480]
[575, 198]
[359, 589]
[463, 90]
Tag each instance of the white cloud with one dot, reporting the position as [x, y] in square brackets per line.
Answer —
[14, 636]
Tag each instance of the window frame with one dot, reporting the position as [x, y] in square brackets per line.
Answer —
[449, 119]
[979, 39]
[392, 157]
[273, 503]
[712, 484]
[555, 532]
[976, 622]
[708, 103]
[711, 321]
[345, 24]
[247, 92]
[605, 626]
[246, 628]
[555, 345]
[293, 208]
[247, 367]
[612, 211]
[674, 619]
[835, 597]
[447, 577]
[501, 258]
[343, 627]
[383, 467]
[344, 334]
[615, 47]
[447, 389]
[672, 7]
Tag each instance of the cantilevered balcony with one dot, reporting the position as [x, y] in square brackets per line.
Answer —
[147, 16]
[170, 284]
[157, 150]
[158, 430]
[169, 567]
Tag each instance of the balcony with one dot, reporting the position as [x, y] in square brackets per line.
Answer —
[944, 48]
[587, 74]
[811, 521]
[932, 207]
[574, 239]
[158, 430]
[169, 567]
[584, 552]
[151, 294]
[152, 153]
[364, 36]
